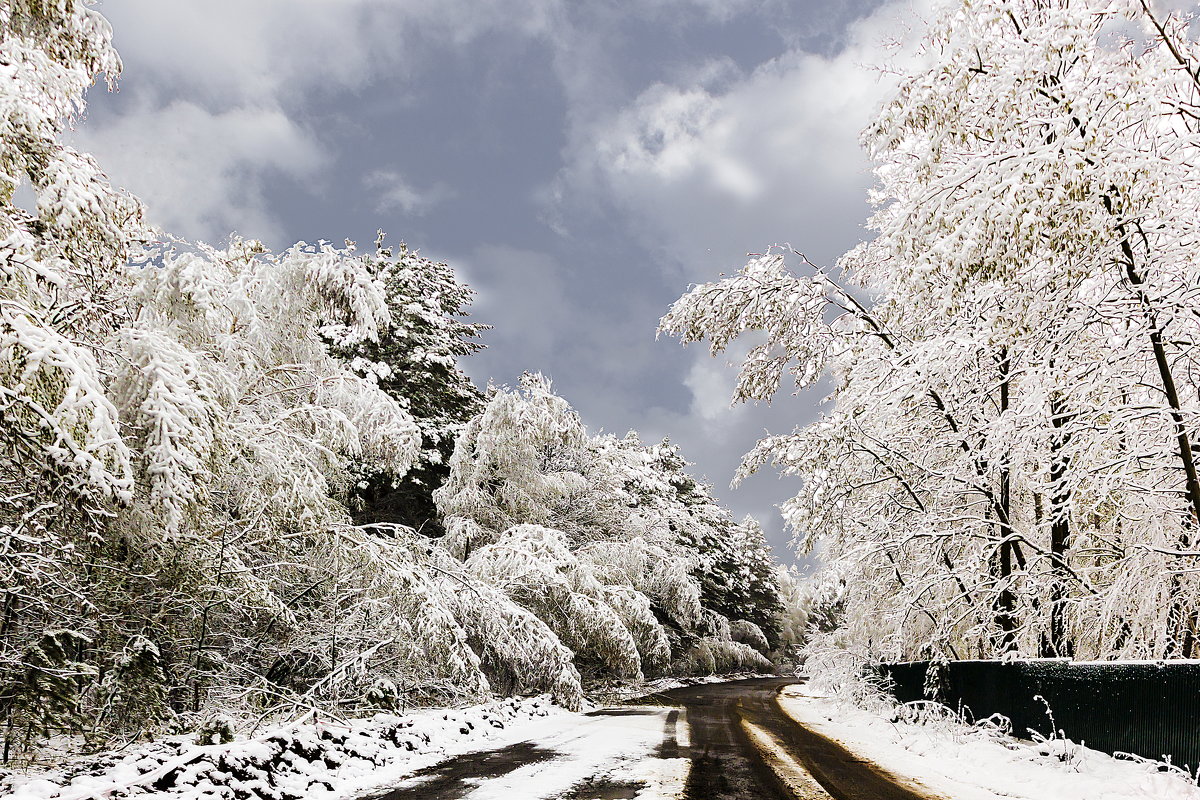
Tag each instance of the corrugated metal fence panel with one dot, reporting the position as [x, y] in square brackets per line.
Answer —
[1149, 709]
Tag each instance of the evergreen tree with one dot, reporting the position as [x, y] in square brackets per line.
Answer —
[135, 689]
[415, 360]
[732, 562]
[42, 698]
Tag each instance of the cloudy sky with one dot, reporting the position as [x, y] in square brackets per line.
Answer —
[580, 162]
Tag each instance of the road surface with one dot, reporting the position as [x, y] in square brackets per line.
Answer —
[744, 746]
[723, 741]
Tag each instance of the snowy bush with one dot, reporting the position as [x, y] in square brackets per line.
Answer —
[749, 634]
[534, 568]
[843, 673]
[714, 656]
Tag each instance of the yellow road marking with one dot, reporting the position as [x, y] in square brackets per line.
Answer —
[798, 780]
[683, 731]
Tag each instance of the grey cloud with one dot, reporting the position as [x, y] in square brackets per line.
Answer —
[667, 138]
[719, 164]
[394, 193]
[523, 295]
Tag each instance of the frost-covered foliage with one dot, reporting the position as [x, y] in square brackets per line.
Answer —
[793, 620]
[733, 565]
[231, 389]
[627, 558]
[183, 426]
[60, 284]
[523, 459]
[230, 575]
[534, 567]
[59, 265]
[1009, 463]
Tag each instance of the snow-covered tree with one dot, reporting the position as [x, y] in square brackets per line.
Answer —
[247, 425]
[59, 263]
[233, 392]
[41, 698]
[1009, 451]
[415, 360]
[608, 541]
[731, 562]
[65, 464]
[190, 432]
[523, 459]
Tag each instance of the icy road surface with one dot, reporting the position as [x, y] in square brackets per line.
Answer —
[724, 741]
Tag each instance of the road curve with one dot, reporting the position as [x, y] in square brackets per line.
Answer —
[740, 743]
[744, 747]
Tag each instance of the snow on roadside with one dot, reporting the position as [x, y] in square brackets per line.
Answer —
[600, 754]
[966, 763]
[321, 761]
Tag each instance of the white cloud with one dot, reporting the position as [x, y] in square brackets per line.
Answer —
[224, 52]
[274, 59]
[397, 194]
[201, 172]
[712, 382]
[720, 162]
[223, 89]
[711, 168]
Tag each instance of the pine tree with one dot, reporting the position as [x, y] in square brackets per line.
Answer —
[42, 696]
[135, 689]
[415, 360]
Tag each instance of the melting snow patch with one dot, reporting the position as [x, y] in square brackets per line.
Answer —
[609, 754]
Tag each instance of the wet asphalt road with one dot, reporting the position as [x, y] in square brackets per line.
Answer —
[742, 747]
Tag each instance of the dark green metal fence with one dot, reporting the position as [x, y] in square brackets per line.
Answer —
[1150, 709]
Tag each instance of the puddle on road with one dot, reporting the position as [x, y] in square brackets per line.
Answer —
[623, 711]
[603, 789]
[454, 778]
[670, 746]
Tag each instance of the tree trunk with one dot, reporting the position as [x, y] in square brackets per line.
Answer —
[1058, 643]
[1005, 604]
[1181, 621]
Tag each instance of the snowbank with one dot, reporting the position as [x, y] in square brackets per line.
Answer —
[973, 763]
[310, 760]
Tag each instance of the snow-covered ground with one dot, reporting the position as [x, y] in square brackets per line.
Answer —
[611, 752]
[328, 761]
[951, 760]
[314, 761]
